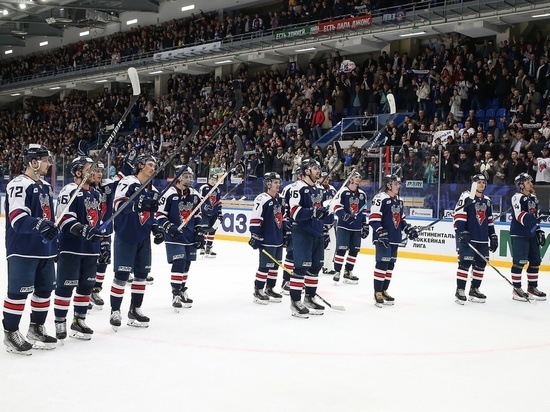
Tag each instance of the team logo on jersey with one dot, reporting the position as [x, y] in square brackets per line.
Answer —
[45, 206]
[278, 214]
[317, 200]
[103, 204]
[396, 215]
[481, 212]
[143, 216]
[532, 205]
[92, 211]
[185, 210]
[353, 205]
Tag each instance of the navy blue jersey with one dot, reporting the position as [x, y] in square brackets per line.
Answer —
[387, 212]
[107, 190]
[85, 209]
[175, 206]
[303, 199]
[524, 208]
[351, 204]
[130, 226]
[285, 200]
[211, 205]
[476, 218]
[266, 220]
[26, 202]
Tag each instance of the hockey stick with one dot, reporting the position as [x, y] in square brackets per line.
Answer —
[136, 91]
[239, 144]
[150, 179]
[340, 190]
[334, 307]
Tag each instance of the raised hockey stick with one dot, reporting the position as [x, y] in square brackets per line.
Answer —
[269, 255]
[340, 190]
[136, 91]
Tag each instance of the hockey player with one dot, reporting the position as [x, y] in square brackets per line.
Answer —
[307, 232]
[132, 242]
[388, 222]
[287, 233]
[78, 250]
[106, 188]
[212, 214]
[31, 269]
[266, 232]
[351, 227]
[329, 224]
[181, 247]
[527, 239]
[473, 223]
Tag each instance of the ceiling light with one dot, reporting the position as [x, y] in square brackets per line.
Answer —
[16, 94]
[55, 88]
[224, 62]
[306, 49]
[84, 33]
[157, 72]
[130, 22]
[43, 43]
[4, 12]
[190, 7]
[10, 51]
[102, 81]
[22, 6]
[415, 33]
[536, 16]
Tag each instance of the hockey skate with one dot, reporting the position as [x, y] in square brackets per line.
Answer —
[519, 295]
[115, 320]
[208, 252]
[130, 279]
[39, 338]
[350, 278]
[16, 343]
[136, 318]
[176, 301]
[336, 278]
[314, 307]
[95, 299]
[187, 302]
[285, 288]
[476, 296]
[388, 299]
[260, 297]
[535, 294]
[273, 296]
[79, 329]
[378, 299]
[60, 330]
[460, 296]
[150, 280]
[327, 271]
[298, 309]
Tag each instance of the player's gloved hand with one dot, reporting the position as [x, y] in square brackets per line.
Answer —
[493, 243]
[128, 166]
[255, 241]
[541, 237]
[287, 232]
[171, 229]
[320, 213]
[411, 232]
[464, 237]
[199, 238]
[46, 228]
[326, 239]
[105, 251]
[158, 233]
[365, 230]
[145, 204]
[383, 237]
[220, 215]
[468, 202]
[86, 231]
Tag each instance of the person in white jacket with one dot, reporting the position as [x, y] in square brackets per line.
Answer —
[543, 167]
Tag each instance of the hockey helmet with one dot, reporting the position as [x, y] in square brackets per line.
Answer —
[299, 171]
[78, 164]
[389, 179]
[142, 159]
[269, 178]
[479, 177]
[522, 178]
[184, 170]
[35, 151]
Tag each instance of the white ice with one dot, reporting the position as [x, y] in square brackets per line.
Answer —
[226, 353]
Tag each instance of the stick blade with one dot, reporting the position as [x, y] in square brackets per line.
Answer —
[340, 308]
[134, 79]
[338, 150]
[240, 149]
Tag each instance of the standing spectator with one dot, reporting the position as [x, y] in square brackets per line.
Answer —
[358, 100]
[317, 120]
[327, 112]
[278, 161]
[543, 167]
[501, 167]
[456, 104]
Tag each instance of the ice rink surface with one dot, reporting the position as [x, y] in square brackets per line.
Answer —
[226, 353]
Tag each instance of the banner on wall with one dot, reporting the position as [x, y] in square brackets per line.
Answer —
[346, 24]
[187, 51]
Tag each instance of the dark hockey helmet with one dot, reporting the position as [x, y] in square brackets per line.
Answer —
[522, 178]
[35, 151]
[78, 164]
[142, 159]
[389, 179]
[479, 177]
[269, 178]
[299, 171]
[183, 170]
[309, 164]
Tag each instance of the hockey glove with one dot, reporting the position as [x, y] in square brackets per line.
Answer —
[411, 232]
[541, 237]
[383, 237]
[326, 239]
[105, 251]
[86, 231]
[158, 233]
[199, 238]
[320, 213]
[171, 229]
[287, 233]
[220, 215]
[145, 204]
[467, 202]
[464, 237]
[46, 228]
[128, 166]
[493, 243]
[365, 230]
[255, 241]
